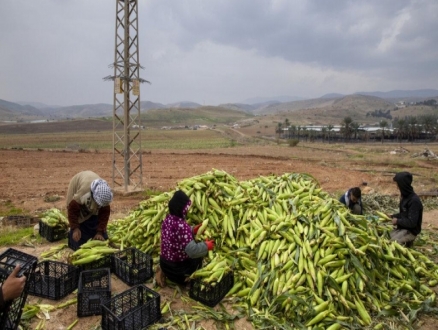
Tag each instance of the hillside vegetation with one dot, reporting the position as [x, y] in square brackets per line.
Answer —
[206, 115]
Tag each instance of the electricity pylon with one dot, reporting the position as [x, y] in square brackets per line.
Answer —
[127, 160]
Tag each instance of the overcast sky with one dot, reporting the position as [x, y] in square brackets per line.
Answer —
[219, 51]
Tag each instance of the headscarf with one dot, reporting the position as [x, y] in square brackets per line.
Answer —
[404, 181]
[179, 204]
[101, 192]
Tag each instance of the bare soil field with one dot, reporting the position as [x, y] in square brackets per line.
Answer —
[32, 179]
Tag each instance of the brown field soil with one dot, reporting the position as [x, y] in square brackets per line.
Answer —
[30, 180]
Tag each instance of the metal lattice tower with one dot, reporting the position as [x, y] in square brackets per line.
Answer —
[127, 161]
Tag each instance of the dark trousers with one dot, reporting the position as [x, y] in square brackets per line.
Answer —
[178, 272]
[88, 231]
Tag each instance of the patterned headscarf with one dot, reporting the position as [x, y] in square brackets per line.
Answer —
[102, 193]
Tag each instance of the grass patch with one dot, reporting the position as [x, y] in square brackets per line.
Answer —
[7, 208]
[10, 235]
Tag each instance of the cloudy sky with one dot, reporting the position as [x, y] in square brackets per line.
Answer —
[219, 51]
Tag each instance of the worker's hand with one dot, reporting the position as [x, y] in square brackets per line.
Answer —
[99, 237]
[13, 285]
[196, 228]
[394, 221]
[210, 244]
[77, 234]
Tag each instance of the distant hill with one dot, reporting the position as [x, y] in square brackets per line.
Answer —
[82, 111]
[185, 104]
[148, 105]
[333, 104]
[15, 111]
[293, 106]
[38, 105]
[401, 94]
[277, 99]
[332, 96]
[238, 107]
[250, 108]
[330, 111]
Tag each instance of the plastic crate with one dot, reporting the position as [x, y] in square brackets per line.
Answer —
[10, 316]
[94, 288]
[52, 234]
[53, 280]
[208, 294]
[104, 262]
[132, 266]
[133, 309]
[20, 220]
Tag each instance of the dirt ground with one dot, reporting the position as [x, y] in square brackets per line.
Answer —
[31, 180]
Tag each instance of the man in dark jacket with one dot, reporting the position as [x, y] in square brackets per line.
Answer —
[353, 200]
[410, 217]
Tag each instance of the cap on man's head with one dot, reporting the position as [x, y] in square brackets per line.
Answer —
[102, 193]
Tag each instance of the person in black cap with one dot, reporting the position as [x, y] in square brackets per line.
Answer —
[410, 217]
[353, 200]
[88, 208]
[180, 254]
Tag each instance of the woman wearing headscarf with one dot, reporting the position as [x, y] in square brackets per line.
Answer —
[180, 254]
[410, 217]
[88, 208]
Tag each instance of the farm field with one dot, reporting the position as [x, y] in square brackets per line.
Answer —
[34, 177]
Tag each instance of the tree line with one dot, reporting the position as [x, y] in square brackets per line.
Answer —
[409, 128]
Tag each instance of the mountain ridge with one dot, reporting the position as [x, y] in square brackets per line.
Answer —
[363, 102]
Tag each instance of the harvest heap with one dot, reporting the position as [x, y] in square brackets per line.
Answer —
[300, 259]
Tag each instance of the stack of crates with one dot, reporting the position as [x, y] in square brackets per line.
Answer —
[132, 266]
[53, 280]
[10, 316]
[93, 289]
[133, 309]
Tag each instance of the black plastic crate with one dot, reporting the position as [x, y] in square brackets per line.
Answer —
[94, 288]
[10, 316]
[104, 262]
[208, 294]
[20, 220]
[53, 280]
[52, 234]
[132, 266]
[133, 309]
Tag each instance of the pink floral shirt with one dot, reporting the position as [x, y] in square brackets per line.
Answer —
[175, 235]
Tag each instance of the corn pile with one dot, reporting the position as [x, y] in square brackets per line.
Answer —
[55, 218]
[300, 259]
[389, 204]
